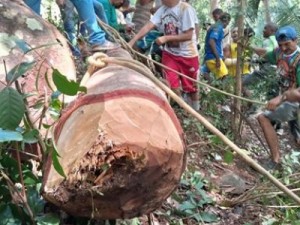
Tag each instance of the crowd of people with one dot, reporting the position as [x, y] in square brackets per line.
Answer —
[176, 31]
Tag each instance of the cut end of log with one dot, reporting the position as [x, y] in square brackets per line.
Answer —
[121, 148]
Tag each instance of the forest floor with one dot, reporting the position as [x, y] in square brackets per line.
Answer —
[218, 187]
[236, 189]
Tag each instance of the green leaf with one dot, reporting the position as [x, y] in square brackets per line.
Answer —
[7, 217]
[56, 163]
[228, 157]
[18, 71]
[64, 85]
[12, 108]
[31, 136]
[35, 201]
[208, 217]
[187, 205]
[82, 89]
[48, 219]
[8, 135]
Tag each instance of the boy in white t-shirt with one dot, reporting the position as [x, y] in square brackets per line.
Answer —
[176, 19]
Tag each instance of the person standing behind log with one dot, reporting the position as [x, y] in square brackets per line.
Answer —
[110, 7]
[86, 13]
[68, 15]
[180, 52]
[230, 53]
[142, 13]
[213, 47]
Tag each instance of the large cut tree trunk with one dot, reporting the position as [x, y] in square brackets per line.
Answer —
[121, 148]
[22, 29]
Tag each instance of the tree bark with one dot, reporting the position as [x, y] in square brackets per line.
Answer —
[267, 11]
[239, 66]
[213, 5]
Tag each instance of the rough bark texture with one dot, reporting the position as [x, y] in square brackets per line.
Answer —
[121, 147]
[18, 22]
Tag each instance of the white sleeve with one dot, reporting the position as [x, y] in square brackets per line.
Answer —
[188, 19]
[156, 18]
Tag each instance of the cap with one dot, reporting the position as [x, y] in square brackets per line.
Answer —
[286, 33]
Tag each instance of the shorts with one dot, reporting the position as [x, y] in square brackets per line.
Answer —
[219, 73]
[185, 65]
[285, 112]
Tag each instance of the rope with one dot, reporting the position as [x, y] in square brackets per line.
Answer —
[125, 45]
[141, 68]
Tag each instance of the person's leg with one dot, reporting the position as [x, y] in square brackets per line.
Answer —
[99, 10]
[190, 67]
[218, 72]
[270, 136]
[251, 78]
[171, 77]
[35, 5]
[86, 12]
[285, 112]
[68, 17]
[295, 130]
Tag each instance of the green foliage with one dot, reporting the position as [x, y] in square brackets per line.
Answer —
[16, 134]
[56, 163]
[18, 71]
[12, 108]
[64, 85]
[195, 198]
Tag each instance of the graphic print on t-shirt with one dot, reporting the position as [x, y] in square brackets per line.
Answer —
[286, 79]
[170, 23]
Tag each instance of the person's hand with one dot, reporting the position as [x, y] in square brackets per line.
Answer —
[292, 95]
[218, 63]
[161, 40]
[60, 2]
[131, 43]
[129, 28]
[273, 103]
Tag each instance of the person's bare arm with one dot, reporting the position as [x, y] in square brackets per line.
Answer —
[292, 95]
[197, 31]
[149, 26]
[185, 36]
[60, 2]
[227, 56]
[212, 44]
[259, 51]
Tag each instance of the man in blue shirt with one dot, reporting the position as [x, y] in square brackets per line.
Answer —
[213, 47]
[86, 13]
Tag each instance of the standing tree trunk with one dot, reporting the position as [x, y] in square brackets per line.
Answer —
[267, 11]
[213, 5]
[238, 87]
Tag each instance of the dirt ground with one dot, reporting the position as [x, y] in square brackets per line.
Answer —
[228, 184]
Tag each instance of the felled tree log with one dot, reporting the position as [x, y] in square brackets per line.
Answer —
[26, 37]
[22, 30]
[121, 148]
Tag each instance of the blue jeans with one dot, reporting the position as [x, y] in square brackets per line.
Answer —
[35, 5]
[86, 13]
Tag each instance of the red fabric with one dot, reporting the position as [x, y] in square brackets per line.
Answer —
[187, 66]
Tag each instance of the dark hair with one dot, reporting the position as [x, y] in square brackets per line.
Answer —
[272, 26]
[217, 11]
[225, 17]
[249, 32]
